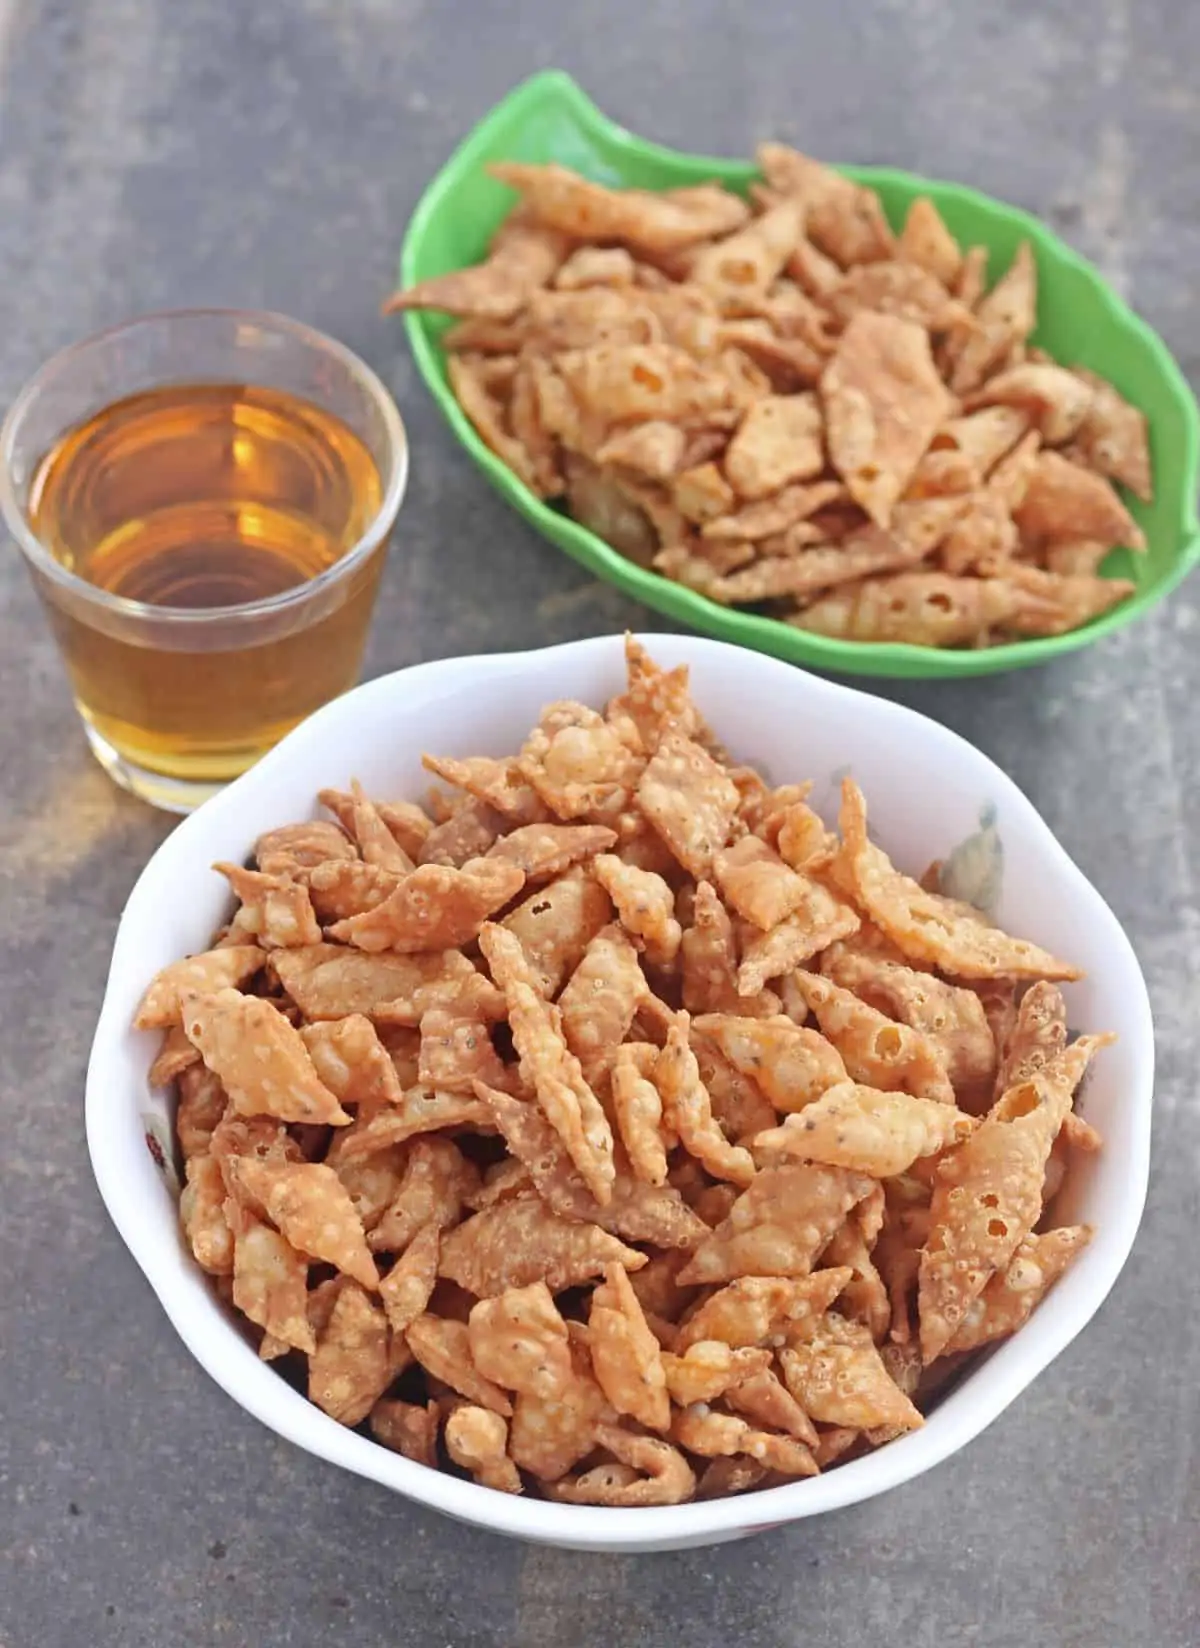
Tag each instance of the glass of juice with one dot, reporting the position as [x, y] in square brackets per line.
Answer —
[204, 500]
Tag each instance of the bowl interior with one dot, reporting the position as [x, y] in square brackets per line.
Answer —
[1081, 322]
[931, 795]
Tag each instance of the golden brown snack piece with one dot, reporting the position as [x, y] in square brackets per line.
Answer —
[638, 1110]
[950, 1017]
[435, 1183]
[876, 1050]
[520, 1241]
[704, 1431]
[443, 1347]
[1038, 1035]
[525, 259]
[435, 908]
[456, 1051]
[637, 1211]
[353, 1063]
[926, 241]
[549, 1067]
[162, 1005]
[352, 1365]
[275, 909]
[555, 924]
[709, 1369]
[1113, 438]
[599, 1001]
[988, 1194]
[420, 1110]
[327, 981]
[309, 1205]
[626, 1358]
[205, 1226]
[690, 801]
[648, 1471]
[881, 1133]
[1011, 1296]
[1005, 317]
[821, 920]
[295, 847]
[762, 1310]
[406, 1290]
[269, 1282]
[652, 222]
[550, 849]
[477, 1440]
[645, 907]
[260, 1059]
[687, 1109]
[791, 1063]
[1064, 501]
[779, 1225]
[839, 1378]
[408, 1428]
[202, 1104]
[883, 404]
[924, 926]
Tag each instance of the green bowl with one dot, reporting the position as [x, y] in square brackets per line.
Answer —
[1083, 322]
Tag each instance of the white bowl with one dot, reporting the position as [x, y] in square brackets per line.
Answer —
[929, 794]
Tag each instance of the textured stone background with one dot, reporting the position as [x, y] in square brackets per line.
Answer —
[155, 152]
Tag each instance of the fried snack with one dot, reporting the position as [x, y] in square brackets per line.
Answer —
[547, 1226]
[779, 1225]
[352, 1365]
[638, 1109]
[762, 1310]
[703, 1431]
[513, 1243]
[881, 1133]
[626, 1358]
[327, 981]
[637, 1211]
[792, 1064]
[648, 1471]
[687, 1109]
[436, 1182]
[699, 378]
[838, 1377]
[645, 905]
[353, 1063]
[600, 999]
[709, 1369]
[477, 1440]
[434, 908]
[549, 1067]
[308, 1204]
[408, 1287]
[875, 1049]
[408, 1428]
[269, 1282]
[988, 1194]
[924, 926]
[161, 1007]
[260, 1060]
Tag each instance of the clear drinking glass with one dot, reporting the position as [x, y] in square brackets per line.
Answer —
[204, 500]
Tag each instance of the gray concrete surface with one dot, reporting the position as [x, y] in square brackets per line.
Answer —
[155, 152]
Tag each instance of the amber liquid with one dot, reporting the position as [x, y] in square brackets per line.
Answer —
[208, 496]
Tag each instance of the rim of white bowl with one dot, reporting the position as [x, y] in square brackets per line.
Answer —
[983, 1394]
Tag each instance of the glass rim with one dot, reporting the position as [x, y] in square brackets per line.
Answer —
[396, 481]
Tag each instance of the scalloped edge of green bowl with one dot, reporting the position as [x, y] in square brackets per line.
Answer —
[770, 635]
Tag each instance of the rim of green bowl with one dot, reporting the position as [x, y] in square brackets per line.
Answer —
[771, 635]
